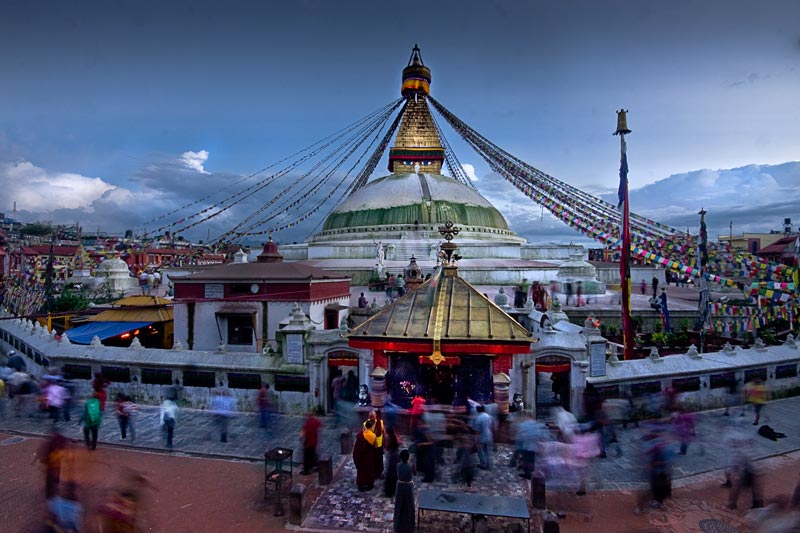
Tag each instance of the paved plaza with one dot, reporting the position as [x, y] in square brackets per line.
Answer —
[340, 506]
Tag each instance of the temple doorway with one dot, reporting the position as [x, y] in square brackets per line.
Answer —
[438, 381]
[449, 383]
[345, 364]
[552, 384]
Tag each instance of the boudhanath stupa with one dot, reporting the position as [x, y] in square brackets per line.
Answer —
[377, 229]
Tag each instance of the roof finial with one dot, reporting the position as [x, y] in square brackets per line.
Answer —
[416, 76]
[622, 122]
[448, 231]
[416, 57]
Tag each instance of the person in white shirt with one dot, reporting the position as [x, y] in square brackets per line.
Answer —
[169, 418]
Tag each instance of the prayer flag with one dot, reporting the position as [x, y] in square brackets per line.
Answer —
[625, 254]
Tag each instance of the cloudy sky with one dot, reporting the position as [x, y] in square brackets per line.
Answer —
[114, 113]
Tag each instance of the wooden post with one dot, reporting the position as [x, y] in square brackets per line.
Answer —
[325, 470]
[296, 504]
[346, 442]
[538, 492]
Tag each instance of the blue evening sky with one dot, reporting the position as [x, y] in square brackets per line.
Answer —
[100, 100]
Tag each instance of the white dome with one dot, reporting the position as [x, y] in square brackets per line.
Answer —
[113, 265]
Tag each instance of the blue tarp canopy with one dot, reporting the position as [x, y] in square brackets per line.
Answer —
[105, 330]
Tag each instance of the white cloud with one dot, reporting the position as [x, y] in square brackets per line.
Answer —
[469, 170]
[37, 189]
[755, 197]
[194, 160]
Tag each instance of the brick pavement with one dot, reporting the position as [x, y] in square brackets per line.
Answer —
[341, 507]
[195, 433]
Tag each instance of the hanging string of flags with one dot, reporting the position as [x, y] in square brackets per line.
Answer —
[355, 185]
[290, 157]
[594, 219]
[22, 296]
[329, 165]
[223, 205]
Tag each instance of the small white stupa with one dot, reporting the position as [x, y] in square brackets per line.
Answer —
[116, 273]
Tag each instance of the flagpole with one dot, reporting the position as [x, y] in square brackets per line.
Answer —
[702, 260]
[628, 333]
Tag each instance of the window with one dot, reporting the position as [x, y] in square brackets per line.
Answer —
[116, 374]
[78, 371]
[607, 391]
[156, 376]
[785, 371]
[285, 382]
[197, 378]
[719, 381]
[686, 384]
[331, 318]
[244, 381]
[639, 389]
[240, 329]
[754, 374]
[239, 288]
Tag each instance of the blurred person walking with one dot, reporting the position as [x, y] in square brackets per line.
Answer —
[223, 406]
[683, 421]
[658, 460]
[124, 408]
[309, 435]
[380, 430]
[91, 419]
[264, 406]
[364, 457]
[392, 447]
[55, 396]
[404, 512]
[425, 459]
[483, 427]
[70, 392]
[99, 385]
[756, 392]
[733, 396]
[464, 442]
[52, 455]
[530, 434]
[65, 512]
[745, 475]
[168, 418]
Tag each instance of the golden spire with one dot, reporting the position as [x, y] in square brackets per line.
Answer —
[417, 145]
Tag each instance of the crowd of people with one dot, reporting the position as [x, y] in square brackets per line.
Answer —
[561, 449]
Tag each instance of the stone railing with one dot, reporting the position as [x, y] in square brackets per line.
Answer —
[146, 374]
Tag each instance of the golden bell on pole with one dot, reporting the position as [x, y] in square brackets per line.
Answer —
[622, 122]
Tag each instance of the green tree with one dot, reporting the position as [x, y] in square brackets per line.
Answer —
[37, 229]
[70, 300]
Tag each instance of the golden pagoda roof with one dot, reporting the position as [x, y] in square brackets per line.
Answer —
[417, 129]
[452, 310]
[139, 308]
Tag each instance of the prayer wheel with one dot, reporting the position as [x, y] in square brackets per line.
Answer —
[501, 383]
[378, 382]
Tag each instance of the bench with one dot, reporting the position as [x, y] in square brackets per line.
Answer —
[474, 505]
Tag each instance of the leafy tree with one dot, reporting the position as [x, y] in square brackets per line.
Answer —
[70, 301]
[36, 229]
